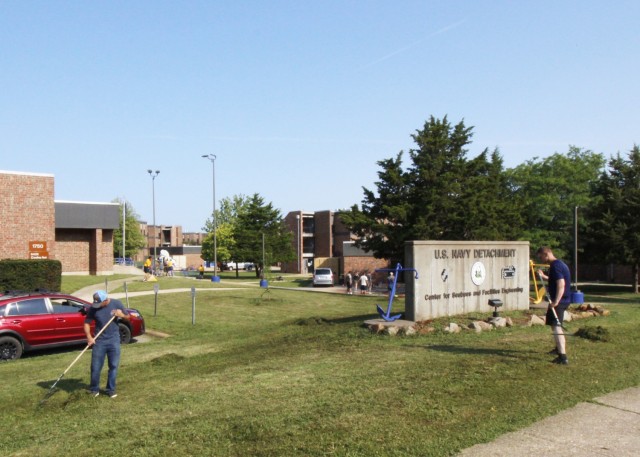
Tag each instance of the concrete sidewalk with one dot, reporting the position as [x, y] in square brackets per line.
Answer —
[606, 426]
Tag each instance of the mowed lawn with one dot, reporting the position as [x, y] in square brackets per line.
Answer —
[283, 373]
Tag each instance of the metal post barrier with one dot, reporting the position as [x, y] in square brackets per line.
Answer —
[156, 288]
[193, 306]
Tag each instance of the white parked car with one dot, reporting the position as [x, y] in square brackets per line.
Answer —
[323, 277]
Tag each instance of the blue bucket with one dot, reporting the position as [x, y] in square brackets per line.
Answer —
[577, 298]
[264, 283]
[215, 278]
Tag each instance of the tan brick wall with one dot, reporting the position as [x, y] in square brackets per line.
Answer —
[73, 249]
[85, 251]
[27, 212]
[323, 234]
[327, 262]
[366, 264]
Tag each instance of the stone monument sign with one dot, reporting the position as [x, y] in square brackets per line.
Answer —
[459, 277]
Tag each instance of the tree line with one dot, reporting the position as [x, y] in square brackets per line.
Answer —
[439, 193]
[434, 191]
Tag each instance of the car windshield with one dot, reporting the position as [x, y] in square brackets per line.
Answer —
[323, 271]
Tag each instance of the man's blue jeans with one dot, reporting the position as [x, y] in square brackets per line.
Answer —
[111, 350]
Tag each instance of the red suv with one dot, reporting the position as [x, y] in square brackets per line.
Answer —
[39, 320]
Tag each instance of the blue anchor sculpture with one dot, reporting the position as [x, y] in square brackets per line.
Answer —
[387, 315]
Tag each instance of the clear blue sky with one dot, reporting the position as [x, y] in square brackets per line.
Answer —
[299, 99]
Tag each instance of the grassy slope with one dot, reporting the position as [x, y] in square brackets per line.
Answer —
[260, 377]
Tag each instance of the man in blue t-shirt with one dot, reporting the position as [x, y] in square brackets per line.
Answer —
[559, 288]
[108, 344]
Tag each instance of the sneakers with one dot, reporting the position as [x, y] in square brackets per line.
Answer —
[561, 360]
[97, 394]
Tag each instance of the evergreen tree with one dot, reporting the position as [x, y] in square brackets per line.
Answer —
[441, 196]
[614, 232]
[260, 229]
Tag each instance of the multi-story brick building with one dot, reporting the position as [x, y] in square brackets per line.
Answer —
[193, 238]
[321, 239]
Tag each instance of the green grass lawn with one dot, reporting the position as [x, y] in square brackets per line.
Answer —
[283, 373]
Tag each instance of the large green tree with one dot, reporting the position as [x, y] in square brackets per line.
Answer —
[226, 218]
[261, 236]
[614, 232]
[134, 239]
[548, 190]
[441, 195]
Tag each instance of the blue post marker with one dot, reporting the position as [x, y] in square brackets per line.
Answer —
[387, 315]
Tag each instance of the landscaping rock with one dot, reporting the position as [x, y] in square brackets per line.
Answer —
[498, 322]
[408, 331]
[536, 320]
[391, 330]
[475, 326]
[452, 328]
[376, 328]
[426, 330]
[509, 322]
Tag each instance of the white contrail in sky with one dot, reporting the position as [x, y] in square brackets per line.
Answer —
[401, 50]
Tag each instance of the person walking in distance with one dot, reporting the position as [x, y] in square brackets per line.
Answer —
[364, 283]
[559, 286]
[147, 265]
[108, 345]
[349, 283]
[390, 280]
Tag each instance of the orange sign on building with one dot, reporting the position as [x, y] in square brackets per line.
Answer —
[38, 250]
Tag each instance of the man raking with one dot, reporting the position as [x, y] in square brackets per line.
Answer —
[559, 288]
[108, 345]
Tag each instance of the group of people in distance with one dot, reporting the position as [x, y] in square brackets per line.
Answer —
[164, 265]
[363, 282]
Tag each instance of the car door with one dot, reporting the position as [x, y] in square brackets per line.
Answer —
[69, 319]
[31, 318]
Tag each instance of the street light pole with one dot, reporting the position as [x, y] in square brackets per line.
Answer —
[575, 248]
[298, 268]
[155, 230]
[215, 277]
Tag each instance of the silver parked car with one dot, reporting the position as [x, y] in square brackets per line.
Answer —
[323, 277]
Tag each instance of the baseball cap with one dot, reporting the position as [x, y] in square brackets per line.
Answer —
[101, 296]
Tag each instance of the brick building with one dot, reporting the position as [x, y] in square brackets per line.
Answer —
[27, 213]
[79, 235]
[321, 239]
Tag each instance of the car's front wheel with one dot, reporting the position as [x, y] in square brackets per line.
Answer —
[125, 333]
[10, 348]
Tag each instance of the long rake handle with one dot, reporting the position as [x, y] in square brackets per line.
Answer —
[84, 350]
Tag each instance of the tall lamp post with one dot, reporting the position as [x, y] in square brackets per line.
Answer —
[215, 277]
[575, 248]
[155, 230]
[299, 268]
